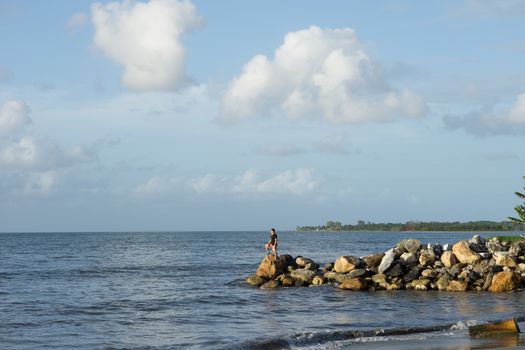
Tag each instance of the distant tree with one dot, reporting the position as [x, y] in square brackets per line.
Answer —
[520, 209]
[360, 223]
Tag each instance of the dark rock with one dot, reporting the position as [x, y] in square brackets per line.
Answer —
[396, 270]
[410, 245]
[412, 274]
[373, 260]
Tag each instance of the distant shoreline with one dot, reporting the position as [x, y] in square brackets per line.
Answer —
[433, 226]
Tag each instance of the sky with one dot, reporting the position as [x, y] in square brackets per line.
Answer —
[168, 115]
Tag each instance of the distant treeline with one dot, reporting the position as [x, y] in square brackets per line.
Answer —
[417, 226]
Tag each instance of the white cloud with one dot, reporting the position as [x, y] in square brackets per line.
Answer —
[296, 182]
[487, 122]
[40, 182]
[145, 38]
[290, 182]
[38, 153]
[280, 150]
[77, 20]
[203, 184]
[14, 117]
[318, 72]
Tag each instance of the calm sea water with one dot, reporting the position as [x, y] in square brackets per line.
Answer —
[174, 290]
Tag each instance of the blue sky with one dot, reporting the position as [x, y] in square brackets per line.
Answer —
[207, 115]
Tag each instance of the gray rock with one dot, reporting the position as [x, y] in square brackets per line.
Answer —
[412, 274]
[356, 273]
[485, 255]
[387, 261]
[409, 258]
[447, 247]
[410, 245]
[396, 270]
[477, 240]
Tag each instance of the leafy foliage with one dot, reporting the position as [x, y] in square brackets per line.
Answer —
[520, 209]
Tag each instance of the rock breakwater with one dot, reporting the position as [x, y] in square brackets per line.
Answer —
[473, 265]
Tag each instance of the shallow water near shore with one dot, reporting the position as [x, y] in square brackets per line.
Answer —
[170, 290]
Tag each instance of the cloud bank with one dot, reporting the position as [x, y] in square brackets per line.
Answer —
[295, 182]
[145, 38]
[485, 123]
[318, 72]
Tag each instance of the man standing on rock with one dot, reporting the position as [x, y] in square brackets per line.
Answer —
[272, 243]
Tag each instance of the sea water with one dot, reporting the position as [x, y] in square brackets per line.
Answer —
[184, 290]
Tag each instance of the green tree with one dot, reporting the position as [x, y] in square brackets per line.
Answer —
[520, 209]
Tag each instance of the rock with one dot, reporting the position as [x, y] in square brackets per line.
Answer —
[410, 245]
[429, 273]
[488, 281]
[442, 284]
[396, 270]
[521, 267]
[373, 260]
[387, 261]
[290, 261]
[457, 286]
[515, 249]
[304, 262]
[420, 284]
[271, 267]
[485, 255]
[506, 281]
[494, 245]
[356, 273]
[312, 266]
[464, 254]
[504, 259]
[255, 280]
[456, 269]
[379, 278]
[303, 275]
[427, 258]
[328, 267]
[395, 286]
[271, 284]
[331, 276]
[478, 241]
[447, 247]
[356, 284]
[288, 281]
[448, 259]
[343, 264]
[318, 280]
[412, 274]
[409, 258]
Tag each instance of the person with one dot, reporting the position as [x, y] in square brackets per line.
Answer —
[272, 243]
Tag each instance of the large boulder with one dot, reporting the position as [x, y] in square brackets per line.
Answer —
[410, 245]
[387, 261]
[373, 260]
[343, 264]
[505, 281]
[448, 259]
[504, 259]
[303, 275]
[358, 283]
[464, 254]
[271, 267]
[396, 270]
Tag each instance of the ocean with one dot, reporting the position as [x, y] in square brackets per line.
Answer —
[184, 290]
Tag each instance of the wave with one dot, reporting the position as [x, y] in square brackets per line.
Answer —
[325, 340]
